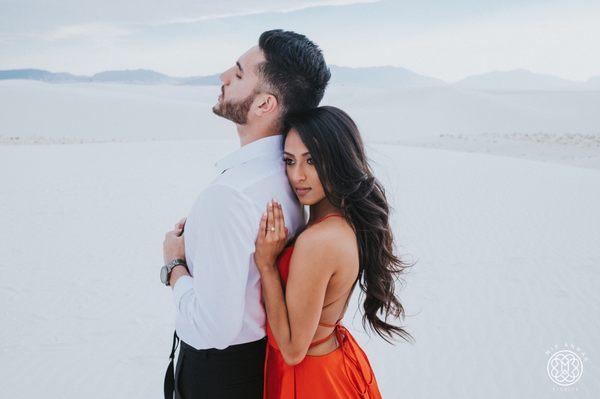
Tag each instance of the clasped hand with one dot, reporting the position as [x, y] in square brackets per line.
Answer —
[272, 237]
[174, 245]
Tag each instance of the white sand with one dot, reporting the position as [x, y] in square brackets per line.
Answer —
[554, 126]
[570, 148]
[507, 266]
[507, 254]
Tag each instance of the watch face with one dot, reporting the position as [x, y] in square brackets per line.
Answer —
[163, 274]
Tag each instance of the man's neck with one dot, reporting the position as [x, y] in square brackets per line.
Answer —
[248, 135]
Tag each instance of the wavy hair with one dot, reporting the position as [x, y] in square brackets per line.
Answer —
[338, 152]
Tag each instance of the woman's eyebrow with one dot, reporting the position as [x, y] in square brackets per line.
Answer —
[292, 155]
[239, 66]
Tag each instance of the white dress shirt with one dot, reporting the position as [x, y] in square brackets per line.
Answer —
[220, 304]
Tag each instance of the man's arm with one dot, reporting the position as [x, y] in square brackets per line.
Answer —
[221, 244]
[177, 272]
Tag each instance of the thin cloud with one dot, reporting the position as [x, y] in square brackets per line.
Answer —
[274, 8]
[104, 32]
[99, 32]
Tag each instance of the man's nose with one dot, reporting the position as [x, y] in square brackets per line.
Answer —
[224, 78]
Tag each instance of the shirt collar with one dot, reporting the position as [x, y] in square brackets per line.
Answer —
[265, 147]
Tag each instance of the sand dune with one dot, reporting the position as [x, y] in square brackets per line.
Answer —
[125, 112]
[507, 266]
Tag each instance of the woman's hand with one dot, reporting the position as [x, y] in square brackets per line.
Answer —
[272, 237]
[174, 245]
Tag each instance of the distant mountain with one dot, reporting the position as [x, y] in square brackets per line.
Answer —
[385, 77]
[128, 76]
[377, 77]
[381, 77]
[143, 76]
[42, 75]
[518, 79]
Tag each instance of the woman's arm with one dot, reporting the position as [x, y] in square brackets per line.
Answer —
[294, 316]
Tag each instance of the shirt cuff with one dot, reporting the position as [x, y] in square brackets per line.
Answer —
[183, 285]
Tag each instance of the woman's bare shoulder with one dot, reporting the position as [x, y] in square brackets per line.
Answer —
[332, 238]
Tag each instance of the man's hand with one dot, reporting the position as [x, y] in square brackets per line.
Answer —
[180, 225]
[173, 245]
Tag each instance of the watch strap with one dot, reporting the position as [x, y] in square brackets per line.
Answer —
[171, 265]
[175, 262]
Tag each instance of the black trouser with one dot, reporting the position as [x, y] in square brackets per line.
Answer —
[235, 372]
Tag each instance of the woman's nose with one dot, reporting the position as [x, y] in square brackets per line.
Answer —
[299, 176]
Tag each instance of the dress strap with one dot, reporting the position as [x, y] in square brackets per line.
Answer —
[324, 339]
[325, 217]
[330, 325]
[348, 344]
[337, 323]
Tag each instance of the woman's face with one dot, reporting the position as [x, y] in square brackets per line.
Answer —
[301, 171]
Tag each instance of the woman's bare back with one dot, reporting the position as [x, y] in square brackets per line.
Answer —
[341, 282]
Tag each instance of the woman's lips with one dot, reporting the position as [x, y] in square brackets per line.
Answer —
[302, 191]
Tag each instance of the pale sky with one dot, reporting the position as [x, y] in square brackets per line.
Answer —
[444, 39]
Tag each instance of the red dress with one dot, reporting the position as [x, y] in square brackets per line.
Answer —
[343, 373]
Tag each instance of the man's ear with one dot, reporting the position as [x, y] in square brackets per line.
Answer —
[267, 103]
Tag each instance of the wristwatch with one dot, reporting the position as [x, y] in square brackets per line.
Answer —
[165, 271]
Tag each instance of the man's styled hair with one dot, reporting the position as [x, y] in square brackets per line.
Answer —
[295, 70]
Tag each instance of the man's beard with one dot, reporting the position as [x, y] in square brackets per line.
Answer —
[236, 112]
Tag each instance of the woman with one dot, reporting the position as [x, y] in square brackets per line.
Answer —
[306, 285]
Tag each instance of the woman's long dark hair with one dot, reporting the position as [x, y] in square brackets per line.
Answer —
[337, 150]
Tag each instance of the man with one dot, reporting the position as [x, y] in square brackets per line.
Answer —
[216, 286]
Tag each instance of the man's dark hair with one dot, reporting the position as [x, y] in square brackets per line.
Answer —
[294, 70]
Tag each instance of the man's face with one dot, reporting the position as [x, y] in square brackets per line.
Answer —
[239, 89]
